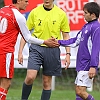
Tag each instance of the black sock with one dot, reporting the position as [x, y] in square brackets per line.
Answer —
[26, 90]
[46, 95]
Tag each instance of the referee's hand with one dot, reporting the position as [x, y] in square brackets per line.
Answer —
[52, 42]
[67, 61]
[20, 58]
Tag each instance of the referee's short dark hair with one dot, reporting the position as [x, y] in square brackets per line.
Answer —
[14, 1]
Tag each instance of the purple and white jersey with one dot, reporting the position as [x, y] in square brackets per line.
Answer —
[88, 40]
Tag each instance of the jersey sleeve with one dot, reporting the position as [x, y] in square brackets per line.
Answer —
[65, 23]
[95, 48]
[69, 43]
[72, 42]
[24, 30]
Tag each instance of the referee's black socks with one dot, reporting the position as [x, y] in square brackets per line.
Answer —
[46, 94]
[26, 90]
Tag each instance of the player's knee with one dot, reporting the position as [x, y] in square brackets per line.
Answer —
[47, 85]
[29, 79]
[81, 93]
[6, 83]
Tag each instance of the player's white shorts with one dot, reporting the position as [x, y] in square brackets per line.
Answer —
[83, 79]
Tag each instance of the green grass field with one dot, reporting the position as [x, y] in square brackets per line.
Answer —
[15, 94]
[64, 88]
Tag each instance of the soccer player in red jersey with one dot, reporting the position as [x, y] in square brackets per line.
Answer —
[12, 22]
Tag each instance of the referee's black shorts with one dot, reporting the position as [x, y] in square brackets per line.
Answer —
[48, 58]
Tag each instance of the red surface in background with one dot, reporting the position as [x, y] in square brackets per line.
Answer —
[78, 22]
[32, 4]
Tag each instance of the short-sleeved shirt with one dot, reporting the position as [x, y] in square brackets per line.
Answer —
[47, 23]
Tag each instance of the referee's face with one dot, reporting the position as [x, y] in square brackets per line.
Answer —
[48, 3]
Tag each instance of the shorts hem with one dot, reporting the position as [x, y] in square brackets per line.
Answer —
[52, 74]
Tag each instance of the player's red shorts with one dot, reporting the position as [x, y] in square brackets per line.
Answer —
[7, 65]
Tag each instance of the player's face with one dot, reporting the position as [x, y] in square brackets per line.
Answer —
[87, 15]
[48, 3]
[23, 4]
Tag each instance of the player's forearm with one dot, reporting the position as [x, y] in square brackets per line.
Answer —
[34, 40]
[66, 37]
[66, 42]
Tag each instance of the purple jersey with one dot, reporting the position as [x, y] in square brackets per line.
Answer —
[88, 40]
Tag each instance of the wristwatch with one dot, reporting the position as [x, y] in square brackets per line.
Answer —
[68, 53]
